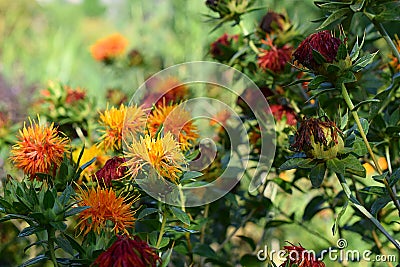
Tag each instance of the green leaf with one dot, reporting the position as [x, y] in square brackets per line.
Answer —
[147, 211]
[336, 165]
[337, 15]
[344, 120]
[166, 257]
[250, 260]
[15, 216]
[353, 165]
[182, 229]
[379, 178]
[342, 52]
[364, 102]
[315, 205]
[318, 57]
[30, 230]
[314, 83]
[276, 223]
[379, 204]
[363, 61]
[249, 241]
[66, 195]
[48, 200]
[164, 242]
[317, 175]
[190, 175]
[375, 190]
[204, 250]
[338, 217]
[356, 49]
[35, 260]
[75, 245]
[358, 5]
[359, 147]
[65, 245]
[180, 215]
[295, 163]
[286, 186]
[394, 178]
[75, 210]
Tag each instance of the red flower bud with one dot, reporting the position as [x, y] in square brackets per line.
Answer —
[112, 170]
[323, 42]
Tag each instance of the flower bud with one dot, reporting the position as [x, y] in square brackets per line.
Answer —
[112, 170]
[272, 21]
[222, 49]
[321, 42]
[318, 139]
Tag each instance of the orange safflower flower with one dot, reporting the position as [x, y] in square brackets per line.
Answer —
[163, 154]
[40, 149]
[370, 170]
[161, 91]
[109, 47]
[175, 120]
[115, 121]
[105, 207]
[300, 257]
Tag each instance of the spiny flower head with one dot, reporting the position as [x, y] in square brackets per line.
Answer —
[127, 251]
[108, 48]
[40, 149]
[163, 154]
[280, 111]
[300, 257]
[112, 170]
[176, 120]
[318, 138]
[274, 58]
[105, 206]
[323, 42]
[117, 120]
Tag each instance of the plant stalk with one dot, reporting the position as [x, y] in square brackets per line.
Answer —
[354, 113]
[163, 223]
[51, 235]
[364, 211]
[386, 37]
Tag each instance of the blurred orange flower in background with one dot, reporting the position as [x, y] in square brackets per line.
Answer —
[109, 47]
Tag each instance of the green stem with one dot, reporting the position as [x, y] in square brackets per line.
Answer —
[51, 235]
[364, 211]
[246, 33]
[385, 36]
[349, 103]
[163, 223]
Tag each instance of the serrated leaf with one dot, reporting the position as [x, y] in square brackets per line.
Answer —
[336, 165]
[317, 175]
[335, 16]
[180, 215]
[147, 211]
[394, 178]
[353, 165]
[379, 178]
[342, 52]
[359, 147]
